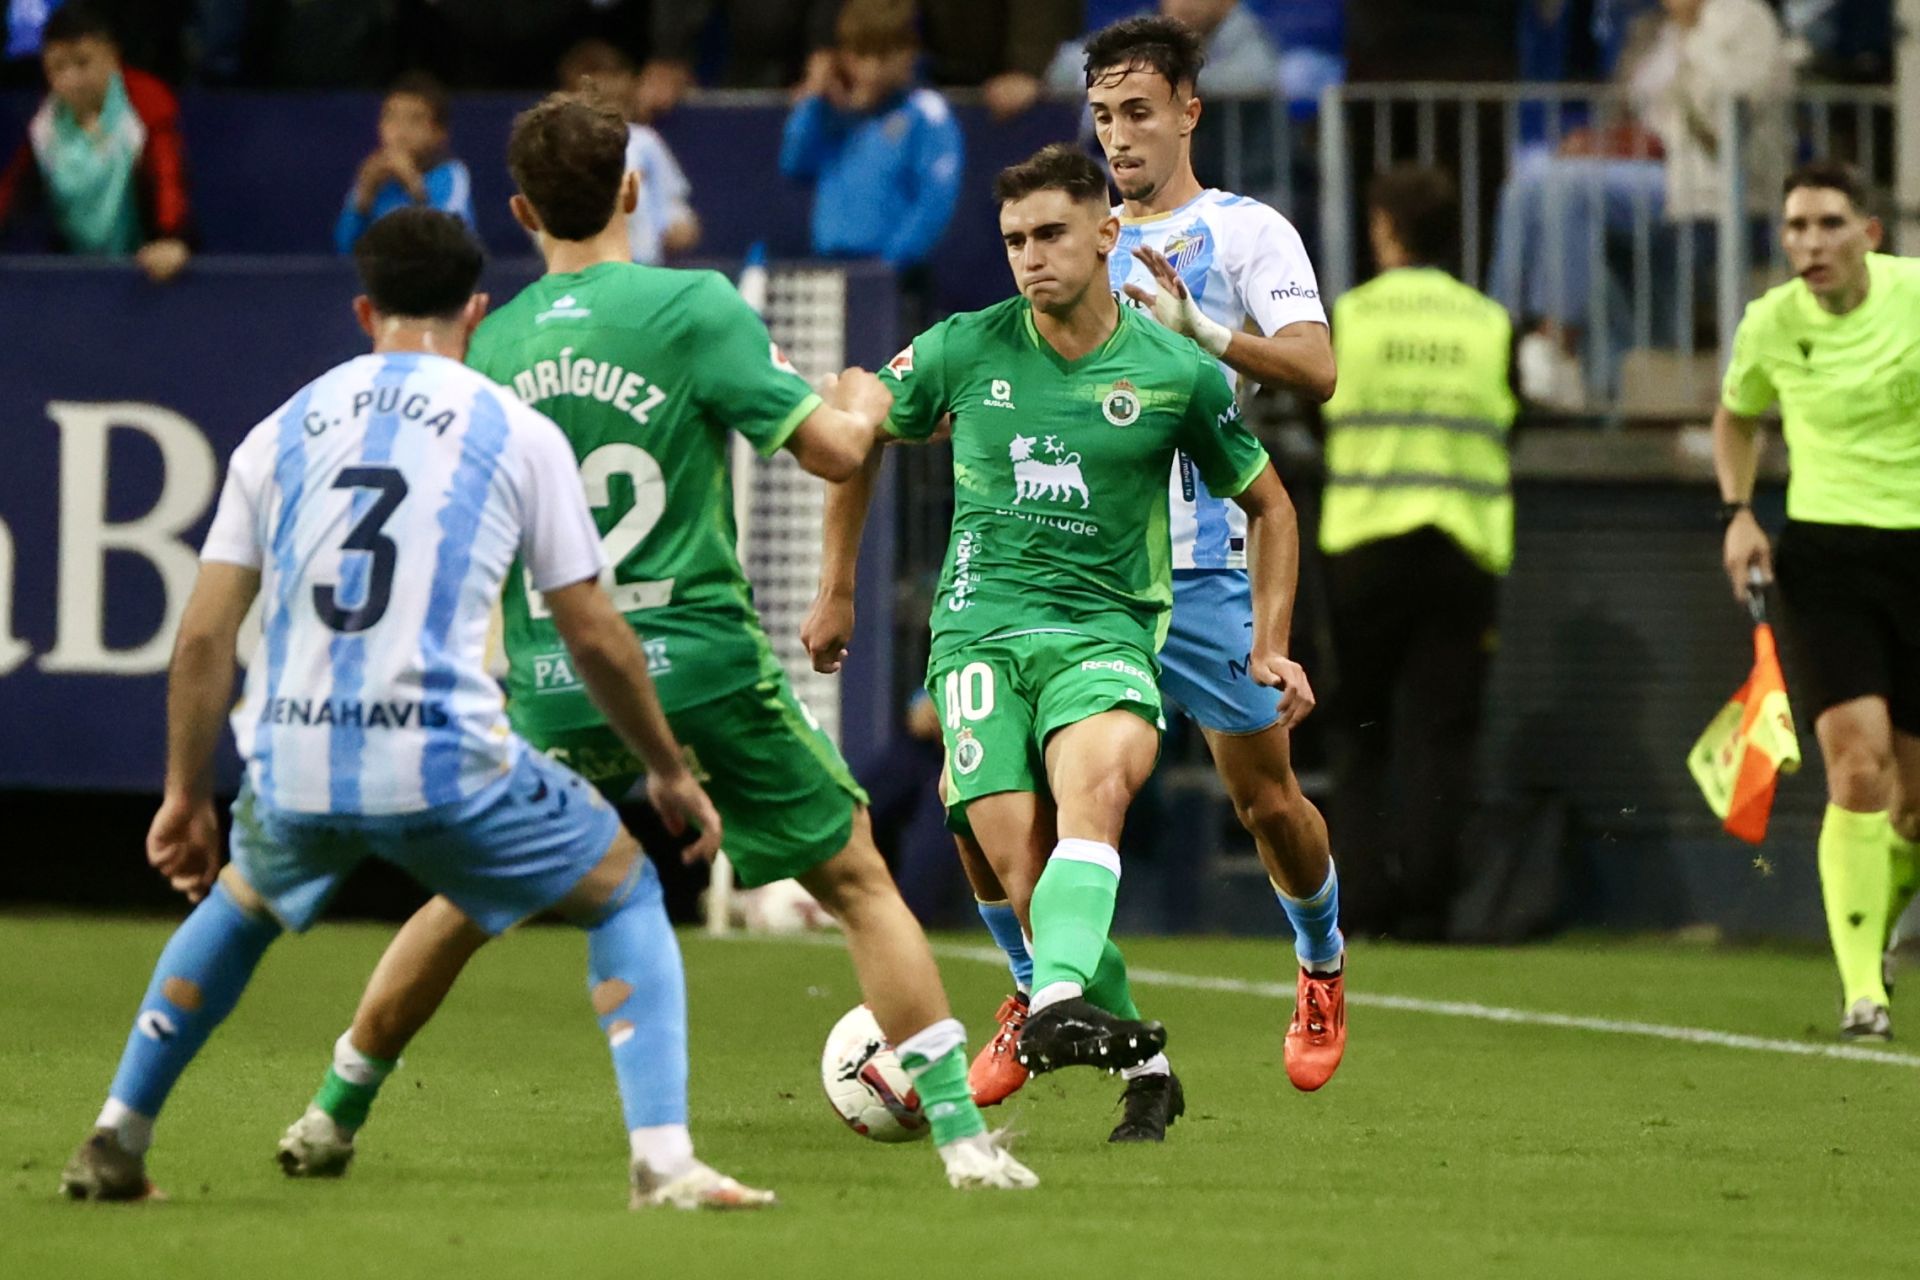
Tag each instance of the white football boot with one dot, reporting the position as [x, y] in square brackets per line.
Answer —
[984, 1161]
[700, 1187]
[315, 1147]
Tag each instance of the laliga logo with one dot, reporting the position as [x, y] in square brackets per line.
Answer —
[188, 475]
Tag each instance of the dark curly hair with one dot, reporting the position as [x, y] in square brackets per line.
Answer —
[567, 155]
[1161, 45]
[1057, 166]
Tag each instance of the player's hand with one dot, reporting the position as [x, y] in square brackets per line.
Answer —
[183, 844]
[828, 628]
[1174, 307]
[374, 170]
[162, 260]
[863, 394]
[404, 171]
[1745, 551]
[682, 802]
[1277, 671]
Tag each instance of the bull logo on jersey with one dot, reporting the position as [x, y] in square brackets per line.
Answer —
[1055, 478]
[1121, 406]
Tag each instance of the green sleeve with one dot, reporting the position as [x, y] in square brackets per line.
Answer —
[1747, 389]
[744, 381]
[1212, 434]
[918, 379]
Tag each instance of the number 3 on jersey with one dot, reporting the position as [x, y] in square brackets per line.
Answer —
[649, 504]
[969, 693]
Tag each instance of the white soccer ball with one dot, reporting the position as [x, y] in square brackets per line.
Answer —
[866, 1083]
[780, 908]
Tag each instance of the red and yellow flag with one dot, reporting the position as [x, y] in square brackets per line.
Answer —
[1748, 745]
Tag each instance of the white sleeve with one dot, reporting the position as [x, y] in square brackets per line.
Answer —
[558, 540]
[1273, 274]
[237, 534]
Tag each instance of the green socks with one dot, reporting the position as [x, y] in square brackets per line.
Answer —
[1906, 878]
[1109, 988]
[1072, 912]
[352, 1083]
[936, 1058]
[1856, 882]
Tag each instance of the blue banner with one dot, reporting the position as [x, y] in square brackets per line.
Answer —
[119, 404]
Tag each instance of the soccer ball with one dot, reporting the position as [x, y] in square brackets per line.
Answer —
[866, 1083]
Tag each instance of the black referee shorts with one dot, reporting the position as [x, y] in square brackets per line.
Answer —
[1850, 617]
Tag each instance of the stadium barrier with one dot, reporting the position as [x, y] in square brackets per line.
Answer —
[1661, 287]
[120, 403]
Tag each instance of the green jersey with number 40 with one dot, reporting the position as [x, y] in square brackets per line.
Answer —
[1060, 470]
[646, 370]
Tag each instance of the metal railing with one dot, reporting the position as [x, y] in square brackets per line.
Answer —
[1645, 285]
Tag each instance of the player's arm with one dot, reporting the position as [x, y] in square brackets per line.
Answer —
[1277, 287]
[561, 549]
[1745, 394]
[838, 438]
[918, 406]
[1273, 568]
[1235, 465]
[183, 843]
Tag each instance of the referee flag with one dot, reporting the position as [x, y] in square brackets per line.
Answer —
[1749, 744]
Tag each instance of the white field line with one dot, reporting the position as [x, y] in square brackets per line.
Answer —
[1486, 1013]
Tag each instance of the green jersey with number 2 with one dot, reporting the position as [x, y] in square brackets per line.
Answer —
[646, 370]
[1060, 471]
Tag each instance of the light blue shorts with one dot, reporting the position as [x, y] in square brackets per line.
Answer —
[1203, 665]
[507, 852]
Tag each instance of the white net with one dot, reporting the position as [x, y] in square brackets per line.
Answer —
[780, 517]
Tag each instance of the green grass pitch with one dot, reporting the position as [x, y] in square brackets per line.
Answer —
[1446, 1146]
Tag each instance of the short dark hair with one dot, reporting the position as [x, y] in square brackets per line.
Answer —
[419, 262]
[1833, 175]
[1162, 45]
[1058, 166]
[567, 155]
[877, 27]
[419, 84]
[591, 58]
[75, 21]
[1424, 209]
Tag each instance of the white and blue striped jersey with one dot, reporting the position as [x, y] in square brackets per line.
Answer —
[1246, 267]
[383, 505]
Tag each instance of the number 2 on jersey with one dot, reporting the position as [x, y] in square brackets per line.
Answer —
[649, 504]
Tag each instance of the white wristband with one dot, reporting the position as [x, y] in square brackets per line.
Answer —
[1212, 336]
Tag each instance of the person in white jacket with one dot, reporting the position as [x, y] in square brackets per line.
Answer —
[1659, 169]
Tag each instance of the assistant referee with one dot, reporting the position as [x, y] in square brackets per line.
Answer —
[1838, 350]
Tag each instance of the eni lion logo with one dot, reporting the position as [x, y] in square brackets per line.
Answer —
[1055, 480]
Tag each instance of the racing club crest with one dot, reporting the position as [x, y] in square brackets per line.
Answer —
[1121, 406]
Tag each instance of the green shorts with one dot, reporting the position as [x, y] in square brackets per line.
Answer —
[785, 795]
[1000, 700]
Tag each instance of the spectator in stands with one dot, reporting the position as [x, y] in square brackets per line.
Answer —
[771, 44]
[411, 166]
[663, 223]
[1002, 46]
[1417, 528]
[884, 157]
[104, 151]
[1242, 60]
[1660, 168]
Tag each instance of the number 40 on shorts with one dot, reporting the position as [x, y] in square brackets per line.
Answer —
[969, 693]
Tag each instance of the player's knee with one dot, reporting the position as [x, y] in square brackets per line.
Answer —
[243, 894]
[1859, 773]
[1276, 806]
[853, 882]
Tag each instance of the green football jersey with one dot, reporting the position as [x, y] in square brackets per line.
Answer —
[1060, 470]
[646, 370]
[1848, 388]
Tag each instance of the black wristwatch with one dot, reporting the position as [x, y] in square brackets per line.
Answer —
[1730, 510]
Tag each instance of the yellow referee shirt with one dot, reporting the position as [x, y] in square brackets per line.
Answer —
[1848, 388]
